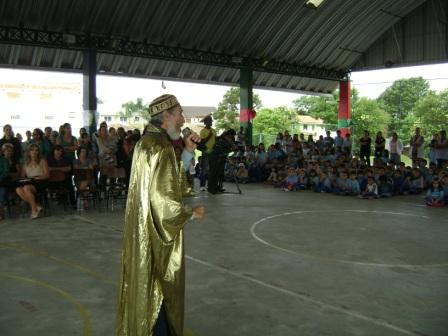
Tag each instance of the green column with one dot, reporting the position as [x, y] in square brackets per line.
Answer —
[246, 102]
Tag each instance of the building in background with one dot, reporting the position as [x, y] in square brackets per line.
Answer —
[310, 126]
[194, 115]
[38, 104]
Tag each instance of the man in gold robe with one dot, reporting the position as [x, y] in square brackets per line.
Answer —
[152, 285]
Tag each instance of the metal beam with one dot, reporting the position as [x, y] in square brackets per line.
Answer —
[89, 90]
[120, 46]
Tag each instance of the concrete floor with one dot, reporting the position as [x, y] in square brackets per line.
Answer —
[262, 263]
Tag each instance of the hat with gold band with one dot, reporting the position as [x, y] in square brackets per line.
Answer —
[162, 103]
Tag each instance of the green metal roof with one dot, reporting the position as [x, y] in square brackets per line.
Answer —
[289, 46]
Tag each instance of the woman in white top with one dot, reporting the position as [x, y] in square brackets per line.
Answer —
[35, 171]
[107, 148]
[395, 149]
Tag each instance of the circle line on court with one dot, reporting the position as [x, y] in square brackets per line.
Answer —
[264, 242]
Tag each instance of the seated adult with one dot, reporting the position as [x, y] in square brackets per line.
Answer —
[7, 150]
[9, 182]
[83, 162]
[128, 153]
[8, 137]
[107, 149]
[34, 174]
[39, 140]
[4, 174]
[67, 141]
[58, 161]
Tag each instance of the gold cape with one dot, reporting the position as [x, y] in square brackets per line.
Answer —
[153, 266]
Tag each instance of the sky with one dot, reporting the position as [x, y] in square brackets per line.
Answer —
[115, 90]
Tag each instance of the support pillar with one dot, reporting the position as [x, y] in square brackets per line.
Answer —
[246, 102]
[344, 107]
[89, 91]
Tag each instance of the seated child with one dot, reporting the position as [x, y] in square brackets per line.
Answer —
[242, 174]
[429, 177]
[313, 179]
[354, 184]
[417, 183]
[343, 184]
[273, 176]
[302, 182]
[362, 180]
[371, 190]
[406, 185]
[397, 183]
[445, 188]
[290, 182]
[385, 188]
[323, 183]
[435, 196]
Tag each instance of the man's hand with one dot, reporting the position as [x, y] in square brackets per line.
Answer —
[191, 142]
[198, 212]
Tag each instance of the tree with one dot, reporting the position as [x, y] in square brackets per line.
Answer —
[367, 114]
[319, 107]
[323, 107]
[400, 99]
[272, 121]
[130, 108]
[228, 111]
[432, 113]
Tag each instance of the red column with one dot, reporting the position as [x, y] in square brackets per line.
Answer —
[344, 107]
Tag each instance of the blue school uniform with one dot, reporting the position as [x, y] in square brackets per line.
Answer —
[434, 195]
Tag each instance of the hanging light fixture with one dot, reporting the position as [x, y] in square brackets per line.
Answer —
[313, 3]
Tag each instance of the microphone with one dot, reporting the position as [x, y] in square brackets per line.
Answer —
[186, 132]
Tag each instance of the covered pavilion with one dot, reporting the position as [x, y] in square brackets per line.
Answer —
[264, 262]
[298, 45]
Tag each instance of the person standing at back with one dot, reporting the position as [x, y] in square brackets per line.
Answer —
[208, 138]
[365, 148]
[416, 150]
[395, 149]
[442, 149]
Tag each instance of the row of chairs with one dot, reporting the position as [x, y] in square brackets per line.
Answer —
[114, 189]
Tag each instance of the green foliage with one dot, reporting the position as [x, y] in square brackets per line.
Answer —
[400, 99]
[367, 114]
[432, 113]
[321, 107]
[130, 108]
[272, 121]
[405, 105]
[227, 113]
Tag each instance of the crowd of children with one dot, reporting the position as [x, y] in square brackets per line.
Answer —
[327, 166]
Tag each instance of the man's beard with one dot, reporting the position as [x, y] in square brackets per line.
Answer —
[173, 133]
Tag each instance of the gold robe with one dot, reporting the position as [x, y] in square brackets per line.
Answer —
[153, 265]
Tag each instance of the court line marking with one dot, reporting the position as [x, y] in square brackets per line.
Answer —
[414, 204]
[33, 252]
[264, 242]
[98, 276]
[208, 196]
[307, 298]
[245, 277]
[87, 329]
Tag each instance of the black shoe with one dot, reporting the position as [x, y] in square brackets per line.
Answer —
[221, 190]
[214, 192]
